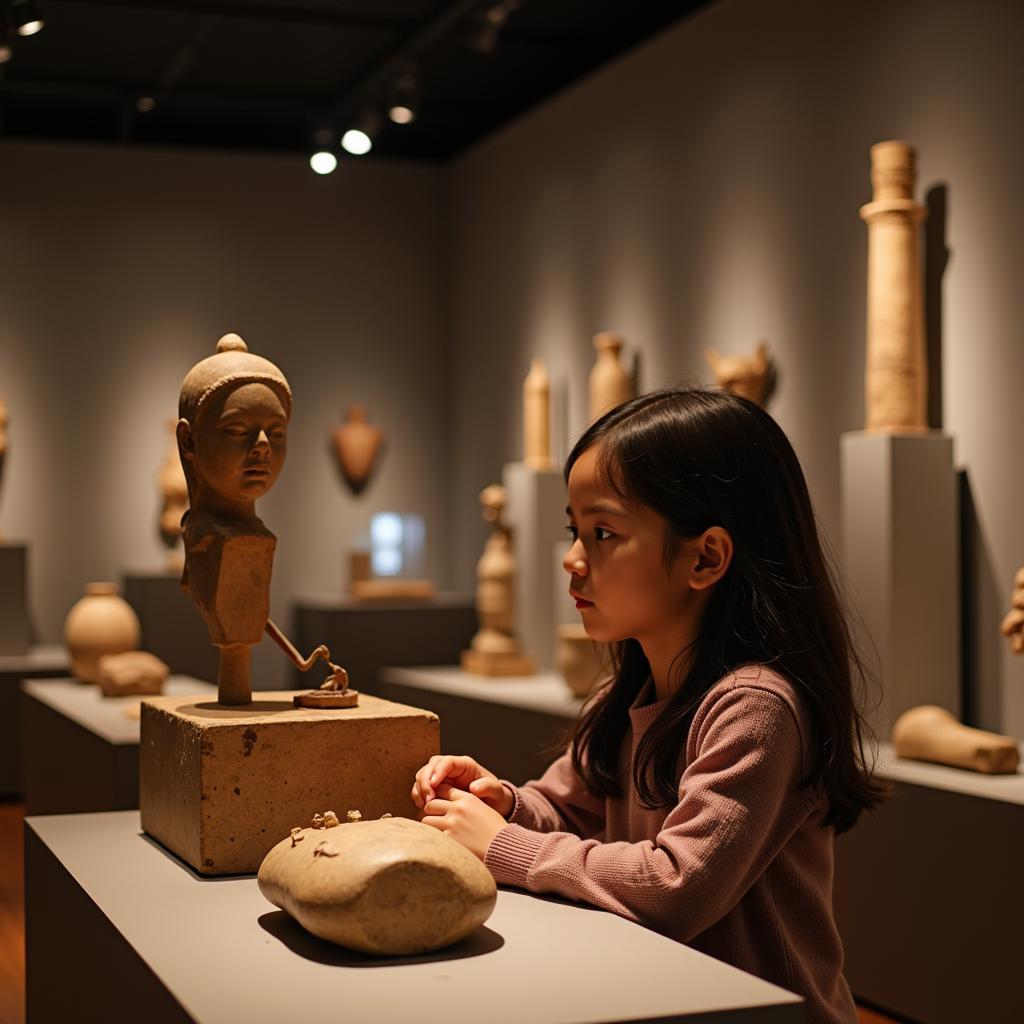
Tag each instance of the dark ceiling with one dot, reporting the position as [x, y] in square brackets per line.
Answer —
[267, 74]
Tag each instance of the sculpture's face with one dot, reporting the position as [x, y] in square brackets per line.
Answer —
[240, 442]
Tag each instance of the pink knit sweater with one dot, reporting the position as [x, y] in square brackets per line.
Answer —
[740, 868]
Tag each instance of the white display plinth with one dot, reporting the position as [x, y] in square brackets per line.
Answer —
[928, 896]
[515, 725]
[38, 663]
[81, 748]
[536, 513]
[15, 632]
[900, 552]
[140, 937]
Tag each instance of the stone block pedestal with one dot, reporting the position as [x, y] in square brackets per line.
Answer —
[219, 786]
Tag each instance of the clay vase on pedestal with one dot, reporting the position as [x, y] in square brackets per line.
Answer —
[931, 733]
[100, 623]
[537, 417]
[173, 501]
[610, 384]
[357, 445]
[582, 662]
[896, 375]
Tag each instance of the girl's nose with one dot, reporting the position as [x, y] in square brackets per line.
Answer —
[575, 562]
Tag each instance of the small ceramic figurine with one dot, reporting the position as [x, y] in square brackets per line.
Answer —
[357, 446]
[931, 733]
[537, 417]
[232, 433]
[390, 887]
[495, 649]
[173, 501]
[1013, 624]
[896, 376]
[747, 376]
[610, 383]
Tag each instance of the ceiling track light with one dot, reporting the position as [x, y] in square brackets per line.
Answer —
[26, 17]
[403, 102]
[487, 23]
[360, 137]
[322, 160]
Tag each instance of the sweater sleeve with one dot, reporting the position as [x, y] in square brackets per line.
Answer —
[739, 804]
[557, 802]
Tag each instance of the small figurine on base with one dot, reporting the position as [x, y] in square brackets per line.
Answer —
[750, 377]
[1013, 624]
[495, 649]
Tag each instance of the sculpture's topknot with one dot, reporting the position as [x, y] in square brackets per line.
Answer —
[232, 343]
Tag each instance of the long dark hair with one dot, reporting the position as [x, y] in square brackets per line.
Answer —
[711, 458]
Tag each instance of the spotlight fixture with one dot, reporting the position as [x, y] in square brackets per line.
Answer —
[404, 100]
[486, 25]
[6, 51]
[26, 17]
[359, 139]
[145, 104]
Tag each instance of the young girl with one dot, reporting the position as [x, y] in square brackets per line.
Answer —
[705, 783]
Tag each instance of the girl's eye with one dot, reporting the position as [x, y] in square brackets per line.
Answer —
[600, 533]
[573, 532]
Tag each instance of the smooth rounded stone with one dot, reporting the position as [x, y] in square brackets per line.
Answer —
[392, 886]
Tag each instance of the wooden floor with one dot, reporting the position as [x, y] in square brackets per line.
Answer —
[12, 922]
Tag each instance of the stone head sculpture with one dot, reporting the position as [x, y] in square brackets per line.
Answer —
[748, 376]
[232, 431]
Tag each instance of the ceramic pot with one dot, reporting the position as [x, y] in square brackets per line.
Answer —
[357, 446]
[582, 662]
[100, 623]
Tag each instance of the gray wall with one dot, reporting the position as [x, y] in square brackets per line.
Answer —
[704, 191]
[120, 268]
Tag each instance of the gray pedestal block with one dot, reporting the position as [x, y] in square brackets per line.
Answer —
[536, 513]
[364, 636]
[15, 630]
[172, 627]
[39, 663]
[81, 748]
[900, 554]
[928, 896]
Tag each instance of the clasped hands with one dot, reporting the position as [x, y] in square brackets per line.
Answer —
[463, 799]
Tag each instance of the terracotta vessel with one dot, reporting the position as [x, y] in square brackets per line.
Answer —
[931, 733]
[896, 376]
[390, 887]
[610, 384]
[537, 417]
[582, 662]
[173, 489]
[747, 376]
[357, 446]
[100, 623]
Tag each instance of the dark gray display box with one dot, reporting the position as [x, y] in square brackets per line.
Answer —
[364, 636]
[81, 748]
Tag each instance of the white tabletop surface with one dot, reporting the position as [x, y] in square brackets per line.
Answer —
[115, 719]
[41, 657]
[226, 954]
[1008, 788]
[545, 691]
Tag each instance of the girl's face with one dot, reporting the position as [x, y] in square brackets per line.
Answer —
[617, 565]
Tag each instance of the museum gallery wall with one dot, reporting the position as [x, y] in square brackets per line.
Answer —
[700, 193]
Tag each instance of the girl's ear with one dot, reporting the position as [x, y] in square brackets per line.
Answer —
[714, 556]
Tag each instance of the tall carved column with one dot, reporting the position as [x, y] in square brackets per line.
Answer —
[896, 377]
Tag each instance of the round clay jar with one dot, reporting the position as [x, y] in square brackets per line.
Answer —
[579, 659]
[100, 623]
